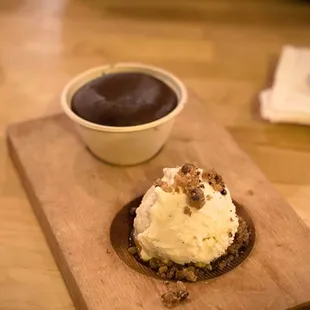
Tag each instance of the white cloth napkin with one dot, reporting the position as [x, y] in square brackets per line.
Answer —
[289, 98]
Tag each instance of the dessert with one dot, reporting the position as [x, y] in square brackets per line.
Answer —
[187, 224]
[124, 99]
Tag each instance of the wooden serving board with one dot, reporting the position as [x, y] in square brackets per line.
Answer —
[76, 198]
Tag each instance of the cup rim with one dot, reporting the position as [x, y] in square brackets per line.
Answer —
[81, 79]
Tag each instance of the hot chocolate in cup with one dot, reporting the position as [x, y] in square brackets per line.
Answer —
[124, 113]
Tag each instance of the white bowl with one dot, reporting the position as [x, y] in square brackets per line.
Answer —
[124, 145]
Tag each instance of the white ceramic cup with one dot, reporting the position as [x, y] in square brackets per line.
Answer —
[131, 144]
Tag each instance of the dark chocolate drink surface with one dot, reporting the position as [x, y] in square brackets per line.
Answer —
[124, 99]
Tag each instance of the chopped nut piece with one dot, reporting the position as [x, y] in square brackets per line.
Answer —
[214, 179]
[163, 185]
[182, 295]
[180, 181]
[175, 295]
[200, 265]
[188, 180]
[170, 299]
[171, 272]
[188, 168]
[190, 276]
[154, 263]
[158, 182]
[196, 198]
[196, 194]
[132, 250]
[162, 271]
[180, 274]
[166, 188]
[169, 263]
[222, 265]
[191, 268]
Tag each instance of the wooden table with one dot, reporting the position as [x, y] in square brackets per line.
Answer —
[219, 48]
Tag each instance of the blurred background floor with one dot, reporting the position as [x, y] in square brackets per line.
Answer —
[224, 50]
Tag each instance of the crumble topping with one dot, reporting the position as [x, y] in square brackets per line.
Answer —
[133, 250]
[189, 168]
[175, 295]
[215, 180]
[189, 181]
[170, 270]
[163, 185]
[196, 198]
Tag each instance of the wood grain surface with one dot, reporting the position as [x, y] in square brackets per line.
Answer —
[76, 198]
[222, 49]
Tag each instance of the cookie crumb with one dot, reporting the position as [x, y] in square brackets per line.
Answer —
[163, 185]
[200, 265]
[188, 179]
[162, 271]
[133, 250]
[215, 180]
[175, 295]
[158, 182]
[188, 168]
[154, 263]
[108, 251]
[190, 276]
[196, 198]
[208, 197]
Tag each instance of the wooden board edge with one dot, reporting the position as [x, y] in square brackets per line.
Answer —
[61, 262]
